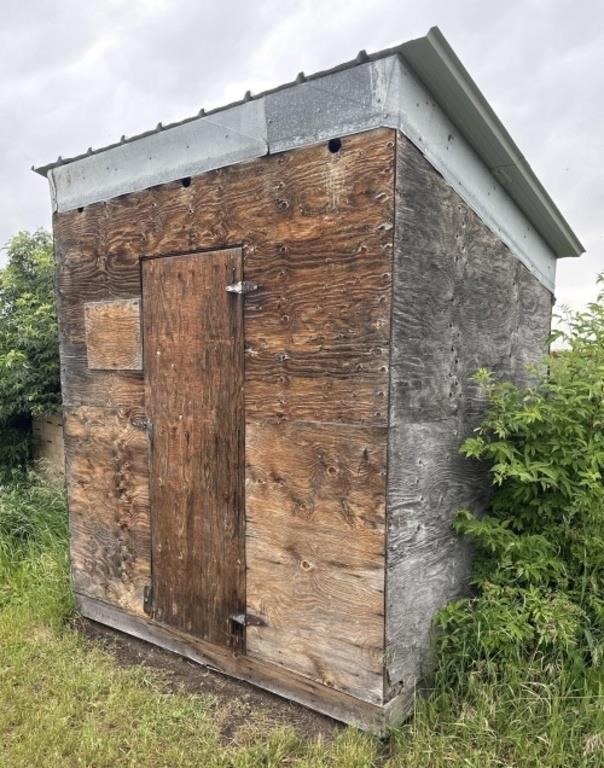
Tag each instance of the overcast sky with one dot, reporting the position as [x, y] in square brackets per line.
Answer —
[77, 74]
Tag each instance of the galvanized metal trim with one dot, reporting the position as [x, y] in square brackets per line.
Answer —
[457, 132]
[435, 65]
[421, 119]
[443, 74]
[386, 92]
[189, 149]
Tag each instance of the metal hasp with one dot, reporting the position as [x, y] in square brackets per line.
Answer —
[143, 424]
[242, 287]
[247, 620]
[148, 599]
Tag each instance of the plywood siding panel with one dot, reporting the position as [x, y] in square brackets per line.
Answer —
[315, 551]
[88, 269]
[317, 290]
[297, 195]
[113, 335]
[109, 389]
[317, 330]
[461, 302]
[108, 487]
[534, 312]
[287, 388]
[316, 231]
[326, 216]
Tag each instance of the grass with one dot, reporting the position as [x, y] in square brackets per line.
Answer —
[537, 719]
[66, 702]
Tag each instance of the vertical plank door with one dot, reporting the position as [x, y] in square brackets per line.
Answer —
[193, 361]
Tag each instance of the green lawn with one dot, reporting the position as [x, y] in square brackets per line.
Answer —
[64, 701]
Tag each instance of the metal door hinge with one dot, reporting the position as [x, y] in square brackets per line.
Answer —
[148, 599]
[242, 287]
[247, 620]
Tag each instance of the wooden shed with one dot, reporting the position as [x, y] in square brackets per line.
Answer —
[270, 315]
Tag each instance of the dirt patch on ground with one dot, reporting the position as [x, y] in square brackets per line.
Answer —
[240, 709]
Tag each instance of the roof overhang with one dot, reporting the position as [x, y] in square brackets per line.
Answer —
[420, 88]
[436, 64]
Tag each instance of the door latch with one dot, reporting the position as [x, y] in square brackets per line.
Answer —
[148, 599]
[144, 424]
[247, 620]
[242, 287]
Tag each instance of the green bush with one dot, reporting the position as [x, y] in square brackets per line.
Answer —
[29, 350]
[539, 553]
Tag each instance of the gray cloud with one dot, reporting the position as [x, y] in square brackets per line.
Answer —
[75, 74]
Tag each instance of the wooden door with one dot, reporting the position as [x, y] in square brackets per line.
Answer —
[193, 360]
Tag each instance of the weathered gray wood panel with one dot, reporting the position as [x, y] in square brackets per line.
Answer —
[461, 301]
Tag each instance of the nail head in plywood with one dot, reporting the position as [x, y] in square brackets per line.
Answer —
[113, 335]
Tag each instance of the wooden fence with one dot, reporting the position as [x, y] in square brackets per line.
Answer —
[48, 440]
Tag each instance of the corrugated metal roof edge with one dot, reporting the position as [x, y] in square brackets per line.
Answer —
[439, 69]
[420, 55]
[361, 58]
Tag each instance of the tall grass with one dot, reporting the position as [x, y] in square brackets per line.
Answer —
[34, 564]
[65, 702]
[529, 716]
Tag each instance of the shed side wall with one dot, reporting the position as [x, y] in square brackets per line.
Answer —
[316, 231]
[461, 301]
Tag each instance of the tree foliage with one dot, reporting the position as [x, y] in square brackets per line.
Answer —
[29, 354]
[539, 565]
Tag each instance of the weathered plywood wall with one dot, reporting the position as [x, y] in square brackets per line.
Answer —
[461, 302]
[316, 232]
[107, 473]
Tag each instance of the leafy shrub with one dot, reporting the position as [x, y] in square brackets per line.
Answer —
[29, 352]
[539, 565]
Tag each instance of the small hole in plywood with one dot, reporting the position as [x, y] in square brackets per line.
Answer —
[186, 182]
[81, 209]
[334, 145]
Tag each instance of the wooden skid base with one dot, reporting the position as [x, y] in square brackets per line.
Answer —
[370, 717]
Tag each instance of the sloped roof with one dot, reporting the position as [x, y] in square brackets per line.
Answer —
[420, 87]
